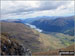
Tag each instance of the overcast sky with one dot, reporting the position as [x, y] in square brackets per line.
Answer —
[28, 9]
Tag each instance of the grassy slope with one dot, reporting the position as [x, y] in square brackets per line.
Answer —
[55, 52]
[54, 41]
[66, 39]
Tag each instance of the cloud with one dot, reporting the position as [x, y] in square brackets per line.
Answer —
[25, 9]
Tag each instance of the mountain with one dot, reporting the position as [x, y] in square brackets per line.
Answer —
[34, 40]
[28, 20]
[22, 33]
[12, 20]
[60, 25]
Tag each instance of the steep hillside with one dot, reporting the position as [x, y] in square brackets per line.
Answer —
[22, 33]
[60, 25]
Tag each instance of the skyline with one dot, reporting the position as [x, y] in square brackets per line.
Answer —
[29, 9]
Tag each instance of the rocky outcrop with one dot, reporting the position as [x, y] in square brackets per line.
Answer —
[13, 47]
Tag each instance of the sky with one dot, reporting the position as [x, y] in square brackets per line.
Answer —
[16, 9]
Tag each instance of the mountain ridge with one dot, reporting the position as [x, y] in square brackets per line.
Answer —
[60, 24]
